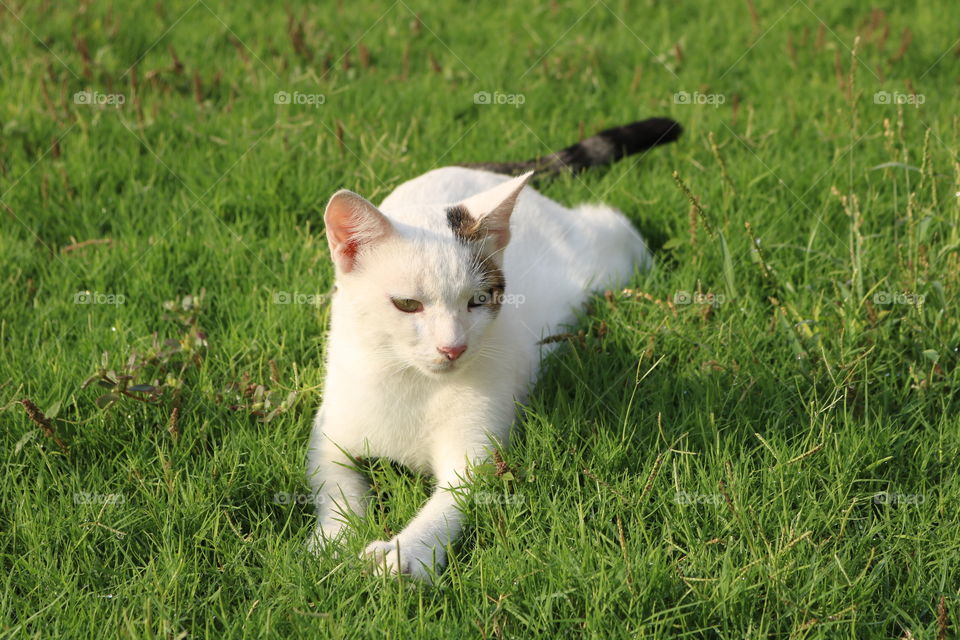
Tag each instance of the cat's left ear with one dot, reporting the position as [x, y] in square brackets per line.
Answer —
[353, 224]
[490, 211]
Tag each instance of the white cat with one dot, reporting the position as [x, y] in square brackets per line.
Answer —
[442, 296]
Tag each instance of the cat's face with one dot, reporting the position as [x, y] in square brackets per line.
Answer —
[421, 303]
[424, 298]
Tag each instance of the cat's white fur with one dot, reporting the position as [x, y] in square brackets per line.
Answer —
[389, 392]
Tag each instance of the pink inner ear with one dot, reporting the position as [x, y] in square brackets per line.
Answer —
[500, 232]
[349, 249]
[351, 223]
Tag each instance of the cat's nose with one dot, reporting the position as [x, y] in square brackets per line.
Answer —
[454, 352]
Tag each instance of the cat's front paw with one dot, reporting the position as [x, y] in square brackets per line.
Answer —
[394, 557]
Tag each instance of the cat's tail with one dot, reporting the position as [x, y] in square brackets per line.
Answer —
[604, 148]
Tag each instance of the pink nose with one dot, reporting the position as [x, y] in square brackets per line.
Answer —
[454, 352]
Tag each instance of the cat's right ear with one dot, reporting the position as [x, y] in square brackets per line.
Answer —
[352, 225]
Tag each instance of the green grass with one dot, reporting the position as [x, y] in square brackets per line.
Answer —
[681, 470]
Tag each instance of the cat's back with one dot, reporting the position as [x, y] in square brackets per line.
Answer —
[556, 254]
[441, 186]
[422, 202]
[594, 241]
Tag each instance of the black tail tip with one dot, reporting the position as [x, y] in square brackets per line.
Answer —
[640, 136]
[656, 131]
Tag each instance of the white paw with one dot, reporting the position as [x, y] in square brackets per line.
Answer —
[395, 557]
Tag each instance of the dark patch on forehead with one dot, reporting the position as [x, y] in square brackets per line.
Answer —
[464, 226]
[457, 217]
[491, 274]
[468, 231]
[493, 280]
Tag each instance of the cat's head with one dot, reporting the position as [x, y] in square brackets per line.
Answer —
[422, 296]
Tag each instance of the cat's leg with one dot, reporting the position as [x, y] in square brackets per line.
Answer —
[421, 547]
[338, 488]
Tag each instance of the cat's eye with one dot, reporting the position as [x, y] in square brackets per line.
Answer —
[407, 305]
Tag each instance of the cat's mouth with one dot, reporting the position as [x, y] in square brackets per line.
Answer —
[440, 367]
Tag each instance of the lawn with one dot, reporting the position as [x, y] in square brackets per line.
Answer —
[756, 439]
